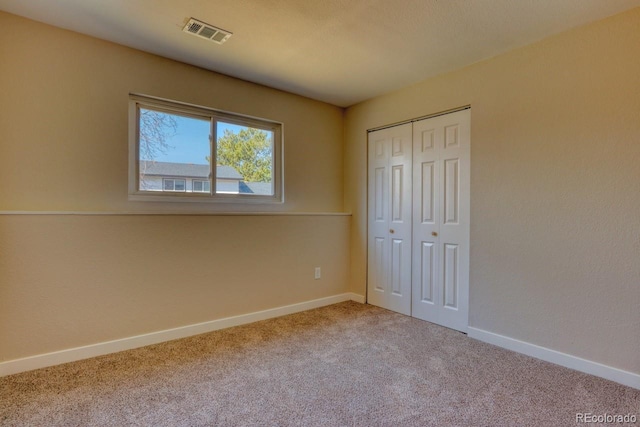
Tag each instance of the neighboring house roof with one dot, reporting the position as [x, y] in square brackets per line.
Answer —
[190, 170]
[256, 188]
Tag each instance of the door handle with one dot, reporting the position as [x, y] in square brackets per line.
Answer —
[434, 234]
[392, 231]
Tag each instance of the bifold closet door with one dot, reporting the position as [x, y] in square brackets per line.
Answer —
[389, 212]
[441, 208]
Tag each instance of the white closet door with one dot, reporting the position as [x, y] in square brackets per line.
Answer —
[441, 182]
[389, 235]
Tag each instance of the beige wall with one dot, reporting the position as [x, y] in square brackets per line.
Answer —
[555, 192]
[64, 122]
[69, 280]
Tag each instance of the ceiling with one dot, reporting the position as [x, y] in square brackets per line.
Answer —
[338, 51]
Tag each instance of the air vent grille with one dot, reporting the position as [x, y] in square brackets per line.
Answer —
[206, 31]
[193, 27]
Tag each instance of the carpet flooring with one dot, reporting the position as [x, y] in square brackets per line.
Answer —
[347, 364]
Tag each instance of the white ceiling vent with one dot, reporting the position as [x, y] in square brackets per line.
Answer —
[206, 31]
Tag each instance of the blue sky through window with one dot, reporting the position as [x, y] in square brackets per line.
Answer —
[190, 141]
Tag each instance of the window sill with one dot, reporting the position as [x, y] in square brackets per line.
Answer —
[206, 198]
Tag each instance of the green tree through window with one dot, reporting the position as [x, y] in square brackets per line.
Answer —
[249, 151]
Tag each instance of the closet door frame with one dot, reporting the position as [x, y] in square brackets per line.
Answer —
[444, 234]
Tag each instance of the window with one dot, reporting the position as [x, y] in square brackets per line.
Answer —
[201, 186]
[180, 152]
[174, 184]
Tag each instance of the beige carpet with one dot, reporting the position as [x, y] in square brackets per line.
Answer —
[344, 365]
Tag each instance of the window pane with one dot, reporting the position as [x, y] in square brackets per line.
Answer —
[245, 160]
[173, 146]
[168, 185]
[197, 185]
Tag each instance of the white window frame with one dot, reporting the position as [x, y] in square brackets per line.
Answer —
[174, 184]
[174, 107]
[203, 181]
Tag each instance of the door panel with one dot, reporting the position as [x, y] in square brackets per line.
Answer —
[378, 184]
[451, 191]
[447, 148]
[396, 266]
[389, 235]
[427, 272]
[427, 192]
[450, 275]
[379, 256]
[396, 193]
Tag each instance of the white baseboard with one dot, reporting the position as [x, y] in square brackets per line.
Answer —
[357, 298]
[70, 355]
[573, 362]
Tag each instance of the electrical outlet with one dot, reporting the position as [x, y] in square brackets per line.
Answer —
[317, 273]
